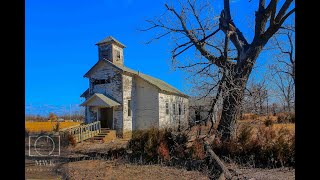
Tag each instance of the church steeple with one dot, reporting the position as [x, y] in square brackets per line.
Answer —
[111, 49]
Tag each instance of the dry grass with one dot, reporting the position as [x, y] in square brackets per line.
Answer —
[47, 126]
[99, 169]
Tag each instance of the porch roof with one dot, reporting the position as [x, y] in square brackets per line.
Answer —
[100, 100]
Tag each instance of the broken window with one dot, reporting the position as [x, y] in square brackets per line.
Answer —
[167, 108]
[101, 81]
[129, 107]
[117, 55]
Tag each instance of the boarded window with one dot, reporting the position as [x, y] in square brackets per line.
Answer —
[129, 107]
[179, 109]
[167, 108]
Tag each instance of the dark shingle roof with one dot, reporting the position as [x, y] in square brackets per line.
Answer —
[110, 39]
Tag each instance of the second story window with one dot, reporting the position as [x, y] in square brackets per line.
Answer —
[167, 108]
[129, 107]
[174, 108]
[101, 81]
[179, 105]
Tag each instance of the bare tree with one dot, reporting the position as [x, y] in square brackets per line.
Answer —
[283, 71]
[285, 89]
[287, 56]
[194, 27]
[256, 98]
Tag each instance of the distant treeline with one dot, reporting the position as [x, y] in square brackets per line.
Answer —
[79, 117]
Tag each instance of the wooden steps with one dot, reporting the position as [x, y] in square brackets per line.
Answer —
[106, 135]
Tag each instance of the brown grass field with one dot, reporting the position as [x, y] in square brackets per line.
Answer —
[47, 126]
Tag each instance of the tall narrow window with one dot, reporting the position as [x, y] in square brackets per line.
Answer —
[167, 108]
[179, 109]
[174, 108]
[117, 55]
[129, 107]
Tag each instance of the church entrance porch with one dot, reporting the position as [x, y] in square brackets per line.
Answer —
[106, 117]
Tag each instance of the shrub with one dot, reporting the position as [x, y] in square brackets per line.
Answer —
[164, 151]
[72, 141]
[245, 134]
[197, 150]
[68, 139]
[56, 127]
[268, 148]
[286, 118]
[268, 122]
[292, 117]
[52, 117]
[152, 144]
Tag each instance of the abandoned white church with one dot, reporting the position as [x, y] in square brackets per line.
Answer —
[124, 100]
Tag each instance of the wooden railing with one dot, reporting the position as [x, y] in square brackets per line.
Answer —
[83, 132]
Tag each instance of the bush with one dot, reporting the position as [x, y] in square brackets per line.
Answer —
[197, 150]
[67, 140]
[245, 134]
[153, 144]
[52, 117]
[268, 148]
[268, 122]
[286, 118]
[56, 128]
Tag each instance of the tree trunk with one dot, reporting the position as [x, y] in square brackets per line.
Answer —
[235, 84]
[231, 107]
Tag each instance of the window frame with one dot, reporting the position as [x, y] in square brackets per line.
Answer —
[129, 108]
[167, 108]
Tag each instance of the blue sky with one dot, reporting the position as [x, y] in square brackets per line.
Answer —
[60, 37]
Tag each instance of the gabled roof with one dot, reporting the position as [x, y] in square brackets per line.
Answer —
[101, 100]
[109, 40]
[152, 80]
[85, 93]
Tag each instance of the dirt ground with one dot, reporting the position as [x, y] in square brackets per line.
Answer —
[267, 174]
[111, 170]
[106, 169]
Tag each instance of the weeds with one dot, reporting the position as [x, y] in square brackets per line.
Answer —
[265, 148]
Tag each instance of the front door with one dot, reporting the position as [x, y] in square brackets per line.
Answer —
[106, 117]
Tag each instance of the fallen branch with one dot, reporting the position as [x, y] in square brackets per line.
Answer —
[225, 172]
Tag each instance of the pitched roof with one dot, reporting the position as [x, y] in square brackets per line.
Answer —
[85, 93]
[110, 39]
[98, 99]
[152, 80]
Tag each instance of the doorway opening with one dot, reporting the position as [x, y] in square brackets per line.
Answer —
[106, 117]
